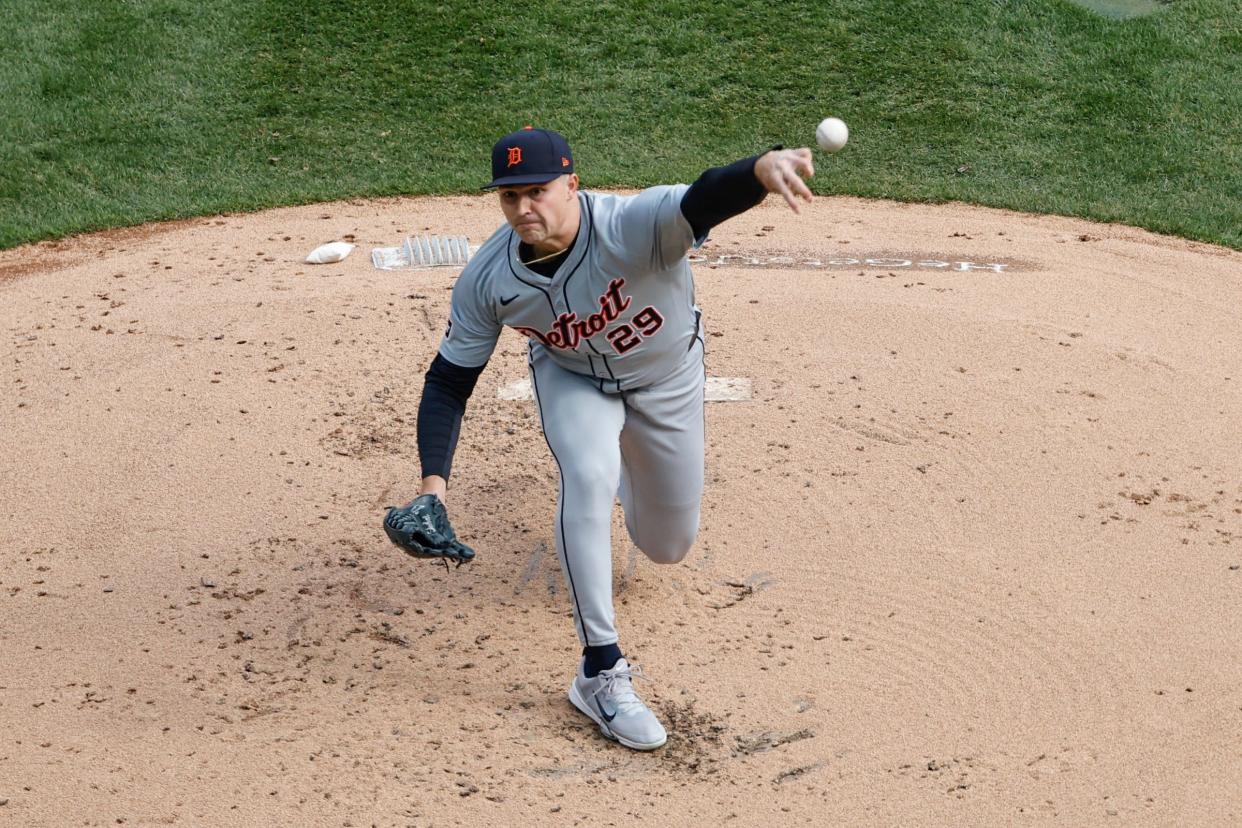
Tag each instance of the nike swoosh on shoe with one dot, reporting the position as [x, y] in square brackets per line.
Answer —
[600, 708]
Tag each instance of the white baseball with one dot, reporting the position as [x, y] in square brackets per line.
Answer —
[831, 134]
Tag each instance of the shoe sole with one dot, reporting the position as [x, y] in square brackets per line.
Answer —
[577, 701]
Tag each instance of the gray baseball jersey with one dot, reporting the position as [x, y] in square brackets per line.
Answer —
[619, 309]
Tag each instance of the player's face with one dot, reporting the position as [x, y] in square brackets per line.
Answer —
[542, 212]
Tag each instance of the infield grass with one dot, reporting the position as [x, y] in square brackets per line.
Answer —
[121, 112]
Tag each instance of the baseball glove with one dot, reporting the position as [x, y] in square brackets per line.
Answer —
[422, 530]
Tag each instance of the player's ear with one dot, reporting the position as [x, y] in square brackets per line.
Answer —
[571, 181]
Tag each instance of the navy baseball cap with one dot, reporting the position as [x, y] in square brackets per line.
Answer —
[530, 156]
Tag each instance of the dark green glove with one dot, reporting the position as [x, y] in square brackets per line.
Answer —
[422, 530]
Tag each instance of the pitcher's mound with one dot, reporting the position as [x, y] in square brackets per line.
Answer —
[970, 547]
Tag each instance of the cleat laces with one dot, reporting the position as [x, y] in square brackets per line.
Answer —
[618, 685]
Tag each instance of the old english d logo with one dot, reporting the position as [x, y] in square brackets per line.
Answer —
[515, 156]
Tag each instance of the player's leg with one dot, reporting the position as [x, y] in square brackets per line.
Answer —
[662, 461]
[582, 426]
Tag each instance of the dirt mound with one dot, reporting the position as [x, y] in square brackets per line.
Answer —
[970, 553]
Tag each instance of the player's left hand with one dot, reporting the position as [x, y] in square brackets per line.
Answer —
[422, 529]
[781, 171]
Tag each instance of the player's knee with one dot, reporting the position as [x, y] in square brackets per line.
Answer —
[670, 547]
[596, 476]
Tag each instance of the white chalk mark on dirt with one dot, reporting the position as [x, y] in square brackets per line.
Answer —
[716, 389]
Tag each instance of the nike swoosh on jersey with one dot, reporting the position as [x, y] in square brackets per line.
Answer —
[510, 299]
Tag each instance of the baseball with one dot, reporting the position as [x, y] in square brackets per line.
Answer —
[831, 134]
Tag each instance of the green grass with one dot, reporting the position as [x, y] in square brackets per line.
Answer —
[121, 112]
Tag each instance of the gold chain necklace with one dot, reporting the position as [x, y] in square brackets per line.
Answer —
[545, 258]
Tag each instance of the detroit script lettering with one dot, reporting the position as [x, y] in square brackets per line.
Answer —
[568, 330]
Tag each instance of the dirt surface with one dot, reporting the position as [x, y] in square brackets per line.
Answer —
[970, 554]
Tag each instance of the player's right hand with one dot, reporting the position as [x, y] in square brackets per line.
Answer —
[781, 171]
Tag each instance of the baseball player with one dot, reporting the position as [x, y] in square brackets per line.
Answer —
[601, 286]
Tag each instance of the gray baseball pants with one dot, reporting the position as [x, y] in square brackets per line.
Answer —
[643, 446]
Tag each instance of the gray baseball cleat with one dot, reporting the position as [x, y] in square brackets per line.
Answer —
[609, 699]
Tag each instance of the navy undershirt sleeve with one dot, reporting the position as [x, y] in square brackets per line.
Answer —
[721, 193]
[445, 391]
